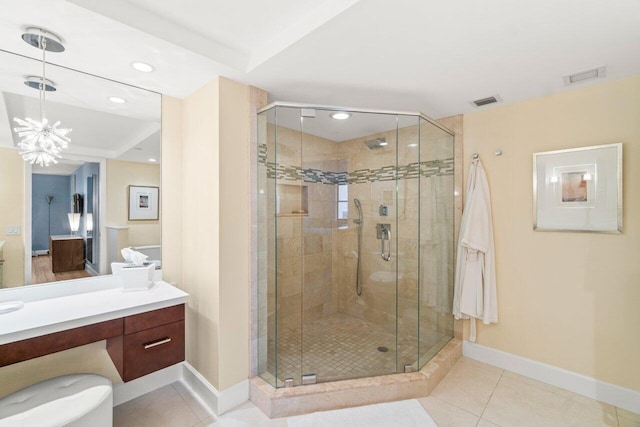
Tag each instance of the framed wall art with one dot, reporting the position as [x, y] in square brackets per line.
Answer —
[143, 203]
[578, 189]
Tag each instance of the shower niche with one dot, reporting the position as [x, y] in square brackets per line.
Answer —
[333, 301]
[292, 200]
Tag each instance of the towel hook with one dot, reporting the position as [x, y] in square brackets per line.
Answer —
[498, 153]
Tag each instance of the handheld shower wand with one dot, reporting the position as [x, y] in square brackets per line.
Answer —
[358, 222]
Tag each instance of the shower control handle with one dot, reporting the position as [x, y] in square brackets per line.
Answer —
[383, 232]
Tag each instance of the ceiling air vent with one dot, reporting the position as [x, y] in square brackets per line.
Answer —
[582, 76]
[486, 101]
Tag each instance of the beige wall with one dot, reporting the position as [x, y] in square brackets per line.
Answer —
[200, 210]
[120, 175]
[215, 227]
[91, 358]
[235, 220]
[12, 213]
[566, 299]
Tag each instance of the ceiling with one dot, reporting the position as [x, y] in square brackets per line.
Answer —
[414, 55]
[100, 128]
[63, 167]
[318, 122]
[93, 132]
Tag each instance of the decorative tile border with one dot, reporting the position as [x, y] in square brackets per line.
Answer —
[386, 173]
[262, 154]
[316, 175]
[410, 171]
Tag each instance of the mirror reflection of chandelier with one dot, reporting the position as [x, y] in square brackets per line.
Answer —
[41, 142]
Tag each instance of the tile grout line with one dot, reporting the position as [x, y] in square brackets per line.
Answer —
[554, 389]
[490, 397]
[187, 405]
[455, 404]
[448, 403]
[566, 394]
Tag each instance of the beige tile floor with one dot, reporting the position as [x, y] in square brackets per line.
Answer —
[473, 394]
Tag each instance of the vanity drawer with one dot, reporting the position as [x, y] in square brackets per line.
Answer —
[153, 349]
[151, 319]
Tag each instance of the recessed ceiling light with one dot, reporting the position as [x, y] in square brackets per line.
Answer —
[142, 67]
[340, 115]
[384, 143]
[412, 145]
[152, 160]
[117, 100]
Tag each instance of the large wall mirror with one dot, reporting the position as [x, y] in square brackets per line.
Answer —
[71, 219]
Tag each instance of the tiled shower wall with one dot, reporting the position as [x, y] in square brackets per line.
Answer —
[316, 258]
[428, 217]
[304, 240]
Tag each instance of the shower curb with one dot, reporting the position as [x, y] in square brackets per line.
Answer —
[284, 402]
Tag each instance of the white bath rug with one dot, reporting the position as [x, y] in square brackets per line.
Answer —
[406, 413]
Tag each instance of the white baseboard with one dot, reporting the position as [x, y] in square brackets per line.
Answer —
[581, 384]
[216, 401]
[124, 392]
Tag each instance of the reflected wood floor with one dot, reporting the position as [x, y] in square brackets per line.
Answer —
[41, 271]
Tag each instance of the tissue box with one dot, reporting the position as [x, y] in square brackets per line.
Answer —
[134, 278]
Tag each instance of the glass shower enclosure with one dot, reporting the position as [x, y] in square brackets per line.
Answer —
[355, 242]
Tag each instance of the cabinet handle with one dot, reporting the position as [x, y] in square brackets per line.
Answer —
[157, 343]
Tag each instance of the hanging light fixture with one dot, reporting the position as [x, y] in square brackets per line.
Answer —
[41, 143]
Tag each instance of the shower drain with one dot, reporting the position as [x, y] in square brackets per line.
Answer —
[383, 349]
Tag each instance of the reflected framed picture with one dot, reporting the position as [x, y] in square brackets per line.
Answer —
[143, 203]
[578, 189]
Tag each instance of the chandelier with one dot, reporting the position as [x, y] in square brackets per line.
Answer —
[41, 143]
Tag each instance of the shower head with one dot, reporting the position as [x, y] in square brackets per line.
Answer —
[357, 203]
[376, 143]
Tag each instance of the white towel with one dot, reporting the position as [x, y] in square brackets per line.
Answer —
[475, 294]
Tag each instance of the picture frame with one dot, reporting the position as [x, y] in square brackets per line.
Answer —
[578, 189]
[143, 203]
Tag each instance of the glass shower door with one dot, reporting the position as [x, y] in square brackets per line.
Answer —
[349, 311]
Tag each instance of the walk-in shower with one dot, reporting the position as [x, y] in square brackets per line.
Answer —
[355, 242]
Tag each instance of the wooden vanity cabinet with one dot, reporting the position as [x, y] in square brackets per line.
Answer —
[152, 341]
[137, 344]
[67, 253]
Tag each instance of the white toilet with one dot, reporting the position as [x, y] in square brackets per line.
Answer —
[77, 400]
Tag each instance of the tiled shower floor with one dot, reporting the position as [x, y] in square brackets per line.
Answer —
[340, 346]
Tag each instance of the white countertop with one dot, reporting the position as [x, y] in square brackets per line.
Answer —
[67, 311]
[66, 237]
